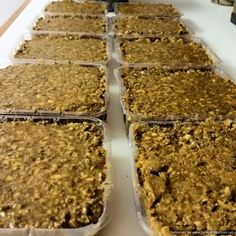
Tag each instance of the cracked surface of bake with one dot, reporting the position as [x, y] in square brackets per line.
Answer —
[87, 7]
[69, 47]
[187, 175]
[53, 87]
[125, 26]
[151, 92]
[147, 9]
[67, 23]
[164, 51]
[51, 175]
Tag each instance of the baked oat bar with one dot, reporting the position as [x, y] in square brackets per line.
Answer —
[72, 23]
[152, 92]
[126, 26]
[147, 9]
[69, 6]
[68, 47]
[187, 174]
[164, 51]
[52, 176]
[53, 87]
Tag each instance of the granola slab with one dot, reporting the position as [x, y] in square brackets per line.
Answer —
[125, 26]
[53, 87]
[69, 6]
[152, 92]
[147, 9]
[187, 174]
[51, 175]
[72, 23]
[164, 51]
[68, 47]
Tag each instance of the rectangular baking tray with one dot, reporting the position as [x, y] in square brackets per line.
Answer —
[80, 1]
[101, 115]
[216, 60]
[116, 32]
[130, 117]
[115, 5]
[29, 35]
[139, 201]
[88, 230]
[45, 14]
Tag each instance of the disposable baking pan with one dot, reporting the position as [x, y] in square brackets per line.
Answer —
[72, 18]
[26, 110]
[146, 31]
[131, 117]
[90, 229]
[139, 192]
[83, 11]
[60, 53]
[171, 63]
[151, 13]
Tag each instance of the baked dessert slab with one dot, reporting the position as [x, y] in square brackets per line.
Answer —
[190, 167]
[146, 9]
[161, 26]
[153, 93]
[169, 52]
[77, 7]
[88, 48]
[54, 174]
[71, 23]
[62, 88]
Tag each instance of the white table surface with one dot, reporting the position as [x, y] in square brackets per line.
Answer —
[211, 23]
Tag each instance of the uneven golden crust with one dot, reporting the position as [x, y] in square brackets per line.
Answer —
[147, 9]
[152, 93]
[54, 47]
[134, 26]
[78, 8]
[60, 88]
[171, 52]
[51, 176]
[191, 168]
[69, 23]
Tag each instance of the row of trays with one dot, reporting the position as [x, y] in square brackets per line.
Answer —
[42, 47]
[143, 137]
[177, 106]
[41, 99]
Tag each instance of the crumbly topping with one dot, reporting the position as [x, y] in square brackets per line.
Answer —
[172, 52]
[147, 9]
[191, 168]
[51, 176]
[61, 88]
[68, 23]
[125, 26]
[69, 47]
[68, 6]
[152, 92]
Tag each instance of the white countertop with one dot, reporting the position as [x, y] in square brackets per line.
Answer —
[211, 23]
